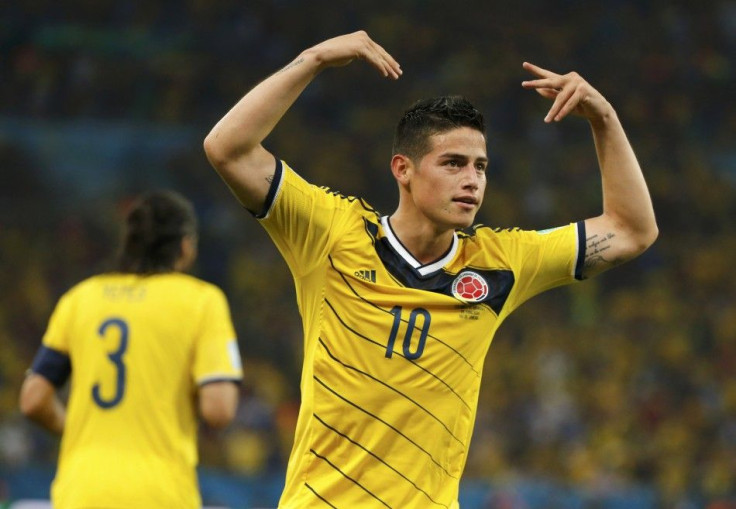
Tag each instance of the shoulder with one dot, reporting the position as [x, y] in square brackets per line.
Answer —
[186, 293]
[513, 234]
[509, 242]
[85, 286]
[292, 179]
[484, 233]
[317, 201]
[187, 282]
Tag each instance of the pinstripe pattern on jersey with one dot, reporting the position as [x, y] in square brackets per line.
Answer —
[346, 476]
[343, 435]
[408, 398]
[440, 341]
[389, 425]
[318, 495]
[399, 354]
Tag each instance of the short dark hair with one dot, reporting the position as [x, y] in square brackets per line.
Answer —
[428, 117]
[154, 228]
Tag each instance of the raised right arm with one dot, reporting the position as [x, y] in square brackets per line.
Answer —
[233, 146]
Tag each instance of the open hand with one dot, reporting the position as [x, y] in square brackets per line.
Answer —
[342, 50]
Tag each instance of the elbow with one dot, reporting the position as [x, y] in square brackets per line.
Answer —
[38, 402]
[33, 404]
[649, 236]
[30, 408]
[214, 152]
[643, 240]
[218, 417]
[653, 235]
[222, 157]
[218, 404]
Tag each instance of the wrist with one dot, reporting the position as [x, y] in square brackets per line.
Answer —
[604, 116]
[304, 62]
[312, 59]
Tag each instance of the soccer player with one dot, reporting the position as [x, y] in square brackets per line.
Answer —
[399, 310]
[146, 348]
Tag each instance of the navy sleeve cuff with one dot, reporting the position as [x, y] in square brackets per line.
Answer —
[579, 263]
[53, 365]
[271, 191]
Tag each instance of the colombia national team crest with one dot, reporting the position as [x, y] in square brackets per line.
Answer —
[469, 287]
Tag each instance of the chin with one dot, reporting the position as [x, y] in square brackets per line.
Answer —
[454, 220]
[464, 222]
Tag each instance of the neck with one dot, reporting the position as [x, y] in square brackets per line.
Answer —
[425, 242]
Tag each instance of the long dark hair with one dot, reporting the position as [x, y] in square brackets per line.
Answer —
[154, 228]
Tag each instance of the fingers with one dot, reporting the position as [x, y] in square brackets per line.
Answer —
[360, 45]
[537, 71]
[566, 91]
[547, 79]
[382, 60]
[340, 51]
[567, 99]
[385, 63]
[548, 85]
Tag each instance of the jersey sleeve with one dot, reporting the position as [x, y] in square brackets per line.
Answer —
[52, 358]
[302, 219]
[216, 354]
[545, 259]
[57, 332]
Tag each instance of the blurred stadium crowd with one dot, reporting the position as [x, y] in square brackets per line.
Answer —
[627, 378]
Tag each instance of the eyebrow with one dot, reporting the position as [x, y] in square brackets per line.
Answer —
[452, 155]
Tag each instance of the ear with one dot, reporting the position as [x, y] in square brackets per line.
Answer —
[400, 167]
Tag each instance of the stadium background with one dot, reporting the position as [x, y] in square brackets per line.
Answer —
[619, 392]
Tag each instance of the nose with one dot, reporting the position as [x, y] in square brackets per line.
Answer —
[471, 179]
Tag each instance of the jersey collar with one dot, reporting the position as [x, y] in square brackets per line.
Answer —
[404, 253]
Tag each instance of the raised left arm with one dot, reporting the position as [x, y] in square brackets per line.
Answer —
[627, 226]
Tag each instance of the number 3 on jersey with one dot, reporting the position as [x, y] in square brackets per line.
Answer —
[411, 326]
[107, 330]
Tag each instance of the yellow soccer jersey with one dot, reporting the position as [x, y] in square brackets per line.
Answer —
[138, 347]
[394, 349]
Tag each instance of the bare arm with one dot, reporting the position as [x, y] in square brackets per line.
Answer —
[234, 148]
[218, 402]
[39, 402]
[627, 226]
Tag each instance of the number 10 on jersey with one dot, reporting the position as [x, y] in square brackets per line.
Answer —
[409, 335]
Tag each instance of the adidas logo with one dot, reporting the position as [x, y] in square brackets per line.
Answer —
[366, 275]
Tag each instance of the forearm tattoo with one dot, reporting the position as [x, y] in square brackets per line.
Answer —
[595, 252]
[296, 62]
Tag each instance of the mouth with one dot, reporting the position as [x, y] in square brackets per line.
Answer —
[466, 201]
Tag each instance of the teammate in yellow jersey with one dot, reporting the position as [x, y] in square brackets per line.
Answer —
[399, 310]
[147, 348]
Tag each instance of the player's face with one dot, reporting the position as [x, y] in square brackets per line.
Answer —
[449, 181]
